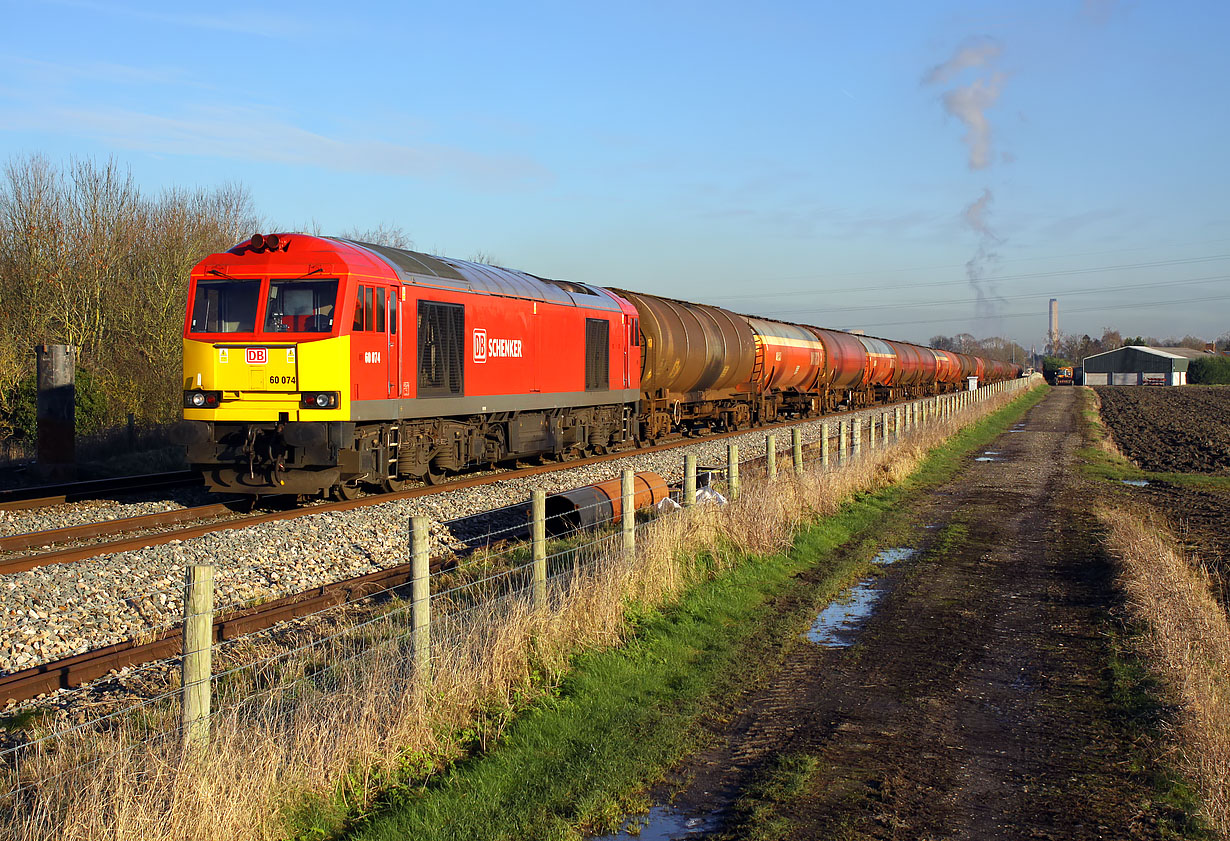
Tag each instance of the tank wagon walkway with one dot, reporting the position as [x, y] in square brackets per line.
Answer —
[973, 705]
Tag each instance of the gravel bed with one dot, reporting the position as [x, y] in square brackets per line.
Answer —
[56, 611]
[27, 520]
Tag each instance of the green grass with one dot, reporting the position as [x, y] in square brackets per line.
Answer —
[1134, 700]
[621, 718]
[758, 814]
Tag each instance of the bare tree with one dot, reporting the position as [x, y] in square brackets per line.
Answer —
[383, 234]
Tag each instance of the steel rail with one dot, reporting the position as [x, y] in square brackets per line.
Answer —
[109, 527]
[44, 496]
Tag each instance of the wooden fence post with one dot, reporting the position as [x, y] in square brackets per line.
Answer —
[796, 447]
[770, 456]
[732, 470]
[841, 440]
[689, 480]
[538, 537]
[196, 664]
[628, 492]
[856, 438]
[420, 594]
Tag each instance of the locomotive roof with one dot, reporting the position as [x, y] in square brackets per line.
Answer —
[421, 269]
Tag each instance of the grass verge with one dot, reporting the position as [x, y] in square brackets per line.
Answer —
[1186, 647]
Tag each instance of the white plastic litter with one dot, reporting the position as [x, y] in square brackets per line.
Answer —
[668, 505]
[709, 495]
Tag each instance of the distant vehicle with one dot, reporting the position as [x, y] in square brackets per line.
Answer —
[1063, 376]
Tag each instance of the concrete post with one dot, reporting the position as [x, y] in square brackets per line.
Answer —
[196, 665]
[770, 456]
[689, 480]
[628, 491]
[538, 538]
[732, 470]
[57, 411]
[420, 594]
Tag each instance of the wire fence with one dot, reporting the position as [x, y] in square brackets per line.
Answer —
[270, 680]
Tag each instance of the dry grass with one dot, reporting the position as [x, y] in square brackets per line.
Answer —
[1188, 645]
[345, 719]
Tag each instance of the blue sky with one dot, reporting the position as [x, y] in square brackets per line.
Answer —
[836, 163]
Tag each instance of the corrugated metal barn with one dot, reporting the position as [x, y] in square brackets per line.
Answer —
[1137, 365]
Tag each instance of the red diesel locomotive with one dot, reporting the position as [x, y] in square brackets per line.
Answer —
[315, 364]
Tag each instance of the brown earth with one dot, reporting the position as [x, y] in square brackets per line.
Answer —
[974, 704]
[1170, 429]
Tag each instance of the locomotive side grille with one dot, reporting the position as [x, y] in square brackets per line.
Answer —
[597, 354]
[441, 345]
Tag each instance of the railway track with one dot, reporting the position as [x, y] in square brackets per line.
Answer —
[82, 668]
[141, 525]
[45, 496]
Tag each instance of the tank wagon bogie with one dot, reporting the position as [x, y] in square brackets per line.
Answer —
[314, 364]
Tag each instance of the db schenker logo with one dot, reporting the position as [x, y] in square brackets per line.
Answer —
[256, 355]
[480, 345]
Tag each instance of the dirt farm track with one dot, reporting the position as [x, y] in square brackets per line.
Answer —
[1181, 430]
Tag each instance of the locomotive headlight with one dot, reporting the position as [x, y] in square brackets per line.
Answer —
[318, 400]
[202, 399]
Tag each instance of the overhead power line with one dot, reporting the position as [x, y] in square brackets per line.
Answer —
[1037, 295]
[966, 281]
[1167, 303]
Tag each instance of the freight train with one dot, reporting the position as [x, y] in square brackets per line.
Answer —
[314, 365]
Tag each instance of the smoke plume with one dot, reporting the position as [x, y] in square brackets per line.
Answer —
[969, 103]
[976, 217]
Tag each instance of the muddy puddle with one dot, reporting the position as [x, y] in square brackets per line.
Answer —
[837, 626]
[663, 823]
[1136, 483]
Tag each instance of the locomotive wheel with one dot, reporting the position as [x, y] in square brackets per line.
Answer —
[434, 477]
[393, 486]
[343, 491]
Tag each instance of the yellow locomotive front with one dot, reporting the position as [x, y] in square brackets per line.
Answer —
[266, 371]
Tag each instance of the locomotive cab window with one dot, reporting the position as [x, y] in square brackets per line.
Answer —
[225, 306]
[300, 306]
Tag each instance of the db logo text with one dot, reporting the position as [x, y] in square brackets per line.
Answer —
[256, 355]
[485, 348]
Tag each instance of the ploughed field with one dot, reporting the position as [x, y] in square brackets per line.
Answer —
[1180, 430]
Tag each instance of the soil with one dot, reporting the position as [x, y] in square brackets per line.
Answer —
[1180, 430]
[974, 703]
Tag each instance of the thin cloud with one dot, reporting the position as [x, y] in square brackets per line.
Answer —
[239, 20]
[250, 135]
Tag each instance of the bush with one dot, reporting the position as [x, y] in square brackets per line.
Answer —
[91, 406]
[1209, 370]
